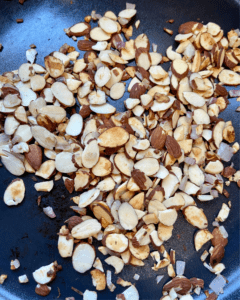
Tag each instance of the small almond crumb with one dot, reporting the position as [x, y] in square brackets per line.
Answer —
[1, 46]
[170, 21]
[3, 277]
[15, 264]
[136, 277]
[137, 24]
[169, 31]
[33, 46]
[23, 278]
[19, 20]
[123, 283]
[165, 59]
[238, 99]
[74, 38]
[227, 183]
[87, 19]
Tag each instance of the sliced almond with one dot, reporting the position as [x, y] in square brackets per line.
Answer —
[79, 29]
[116, 262]
[179, 68]
[196, 217]
[62, 93]
[54, 66]
[201, 238]
[113, 137]
[127, 216]
[14, 194]
[99, 35]
[83, 257]
[116, 242]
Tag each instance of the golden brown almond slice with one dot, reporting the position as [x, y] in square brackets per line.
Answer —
[116, 242]
[201, 117]
[79, 29]
[167, 217]
[229, 77]
[90, 154]
[15, 192]
[136, 262]
[62, 93]
[142, 42]
[179, 68]
[127, 216]
[214, 167]
[149, 166]
[117, 90]
[113, 137]
[143, 58]
[98, 279]
[123, 164]
[164, 232]
[201, 238]
[54, 66]
[99, 35]
[115, 262]
[207, 41]
[102, 168]
[217, 133]
[196, 217]
[141, 252]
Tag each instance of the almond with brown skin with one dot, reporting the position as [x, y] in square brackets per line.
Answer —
[42, 290]
[173, 147]
[73, 221]
[217, 255]
[139, 178]
[85, 45]
[188, 26]
[85, 111]
[218, 239]
[34, 156]
[158, 138]
[137, 90]
[69, 184]
[183, 285]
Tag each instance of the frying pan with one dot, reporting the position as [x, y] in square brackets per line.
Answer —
[29, 235]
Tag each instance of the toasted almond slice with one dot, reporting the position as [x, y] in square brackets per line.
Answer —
[113, 137]
[102, 76]
[218, 133]
[167, 217]
[79, 29]
[37, 83]
[201, 238]
[56, 114]
[196, 175]
[12, 163]
[207, 41]
[169, 184]
[196, 217]
[223, 213]
[83, 257]
[24, 72]
[64, 163]
[136, 262]
[88, 197]
[214, 167]
[116, 76]
[86, 229]
[176, 202]
[10, 125]
[143, 58]
[164, 232]
[44, 137]
[99, 35]
[98, 279]
[102, 168]
[117, 90]
[97, 97]
[130, 293]
[156, 58]
[46, 170]
[11, 100]
[45, 274]
[103, 109]
[179, 68]
[194, 99]
[172, 55]
[24, 132]
[141, 252]
[54, 66]
[45, 186]
[229, 77]
[116, 242]
[127, 216]
[123, 164]
[106, 185]
[62, 93]
[116, 262]
[162, 106]
[213, 28]
[148, 166]
[65, 243]
[90, 154]
[14, 194]
[75, 125]
[201, 117]
[127, 13]
[158, 73]
[100, 46]
[27, 95]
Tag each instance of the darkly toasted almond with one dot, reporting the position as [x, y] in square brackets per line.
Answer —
[34, 156]
[113, 137]
[182, 285]
[173, 147]
[137, 90]
[158, 138]
[85, 45]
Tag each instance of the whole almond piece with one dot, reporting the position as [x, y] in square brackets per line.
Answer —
[173, 147]
[34, 156]
[158, 138]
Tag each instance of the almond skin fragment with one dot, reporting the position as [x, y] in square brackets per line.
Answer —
[34, 156]
[173, 147]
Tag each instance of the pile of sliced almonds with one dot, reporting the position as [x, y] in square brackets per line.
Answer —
[137, 170]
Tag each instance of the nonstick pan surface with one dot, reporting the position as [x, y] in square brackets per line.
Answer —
[25, 232]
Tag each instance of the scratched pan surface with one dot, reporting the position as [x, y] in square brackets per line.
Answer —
[25, 232]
